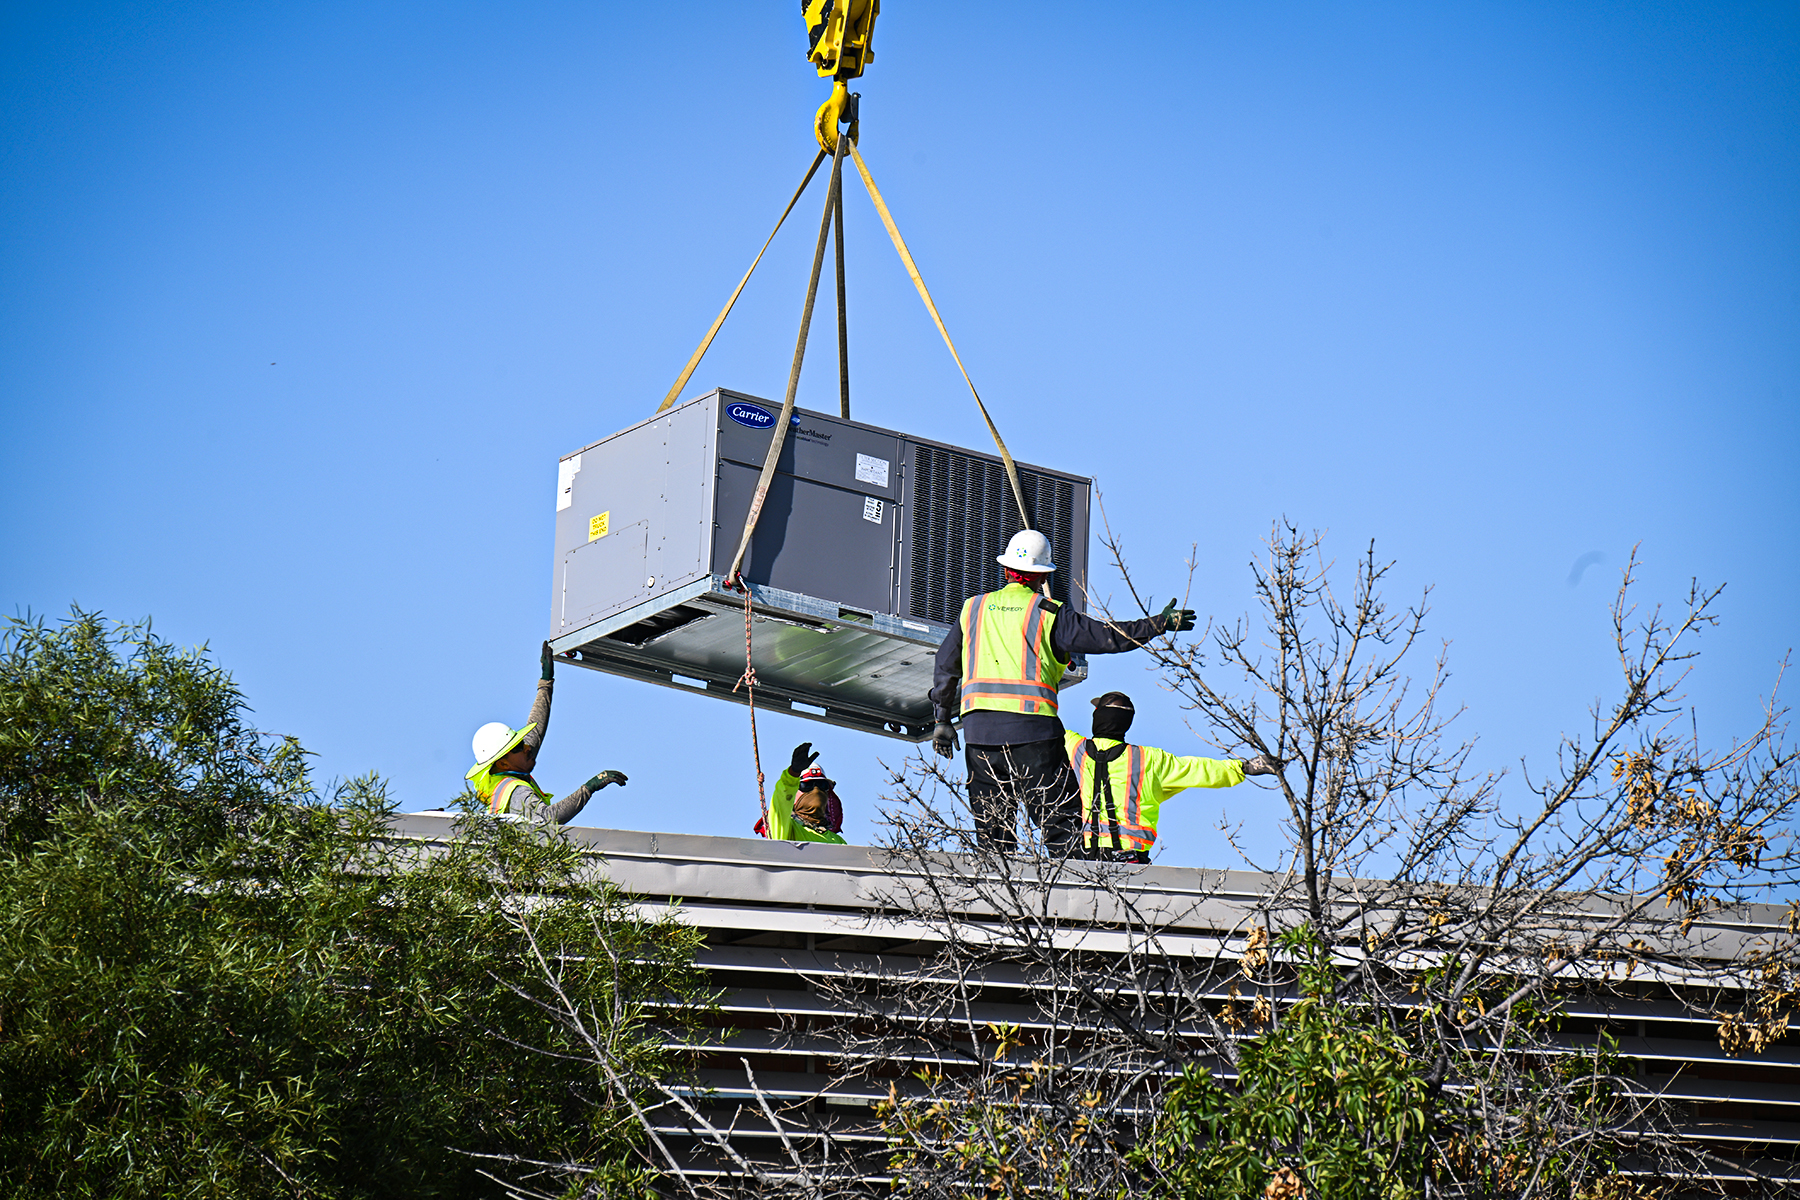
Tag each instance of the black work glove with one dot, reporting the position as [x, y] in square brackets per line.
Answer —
[1176, 620]
[1262, 764]
[943, 739]
[547, 661]
[804, 757]
[605, 777]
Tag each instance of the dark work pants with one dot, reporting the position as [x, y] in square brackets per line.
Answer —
[1034, 773]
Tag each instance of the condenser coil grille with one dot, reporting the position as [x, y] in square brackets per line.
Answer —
[963, 515]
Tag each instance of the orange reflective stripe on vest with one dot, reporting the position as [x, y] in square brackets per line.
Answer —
[1122, 829]
[501, 800]
[1008, 664]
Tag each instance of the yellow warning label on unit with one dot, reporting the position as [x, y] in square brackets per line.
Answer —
[597, 525]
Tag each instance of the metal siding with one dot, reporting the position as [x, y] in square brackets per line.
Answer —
[819, 448]
[780, 918]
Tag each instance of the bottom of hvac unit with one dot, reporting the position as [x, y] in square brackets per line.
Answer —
[813, 657]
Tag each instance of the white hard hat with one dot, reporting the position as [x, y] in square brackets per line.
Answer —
[492, 741]
[1029, 550]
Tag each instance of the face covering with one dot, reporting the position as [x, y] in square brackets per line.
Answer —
[1112, 722]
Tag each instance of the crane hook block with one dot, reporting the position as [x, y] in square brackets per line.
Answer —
[838, 35]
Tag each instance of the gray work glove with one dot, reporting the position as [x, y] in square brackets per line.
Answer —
[943, 739]
[804, 757]
[1176, 620]
[605, 777]
[1262, 764]
[547, 661]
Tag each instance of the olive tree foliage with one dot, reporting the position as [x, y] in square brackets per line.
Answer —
[98, 714]
[1384, 1016]
[226, 981]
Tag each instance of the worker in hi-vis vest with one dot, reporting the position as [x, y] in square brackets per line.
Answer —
[999, 667]
[504, 757]
[1123, 786]
[805, 807]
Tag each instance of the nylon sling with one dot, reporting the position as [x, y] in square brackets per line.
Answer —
[846, 141]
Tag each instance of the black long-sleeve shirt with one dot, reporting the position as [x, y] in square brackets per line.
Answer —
[1073, 633]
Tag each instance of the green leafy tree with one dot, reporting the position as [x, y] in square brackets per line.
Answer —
[1333, 1095]
[101, 714]
[224, 983]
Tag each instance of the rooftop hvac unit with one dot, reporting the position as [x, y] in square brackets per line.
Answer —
[868, 544]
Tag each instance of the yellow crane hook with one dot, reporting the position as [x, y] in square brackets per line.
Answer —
[839, 36]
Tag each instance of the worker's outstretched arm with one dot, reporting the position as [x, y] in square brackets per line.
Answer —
[1077, 633]
[570, 806]
[1176, 773]
[566, 809]
[540, 707]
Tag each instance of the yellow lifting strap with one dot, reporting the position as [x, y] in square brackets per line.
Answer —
[773, 457]
[687, 372]
[912, 269]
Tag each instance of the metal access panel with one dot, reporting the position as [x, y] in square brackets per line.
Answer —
[868, 544]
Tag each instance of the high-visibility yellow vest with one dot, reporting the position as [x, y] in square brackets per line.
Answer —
[1140, 778]
[784, 826]
[504, 786]
[1112, 798]
[1008, 665]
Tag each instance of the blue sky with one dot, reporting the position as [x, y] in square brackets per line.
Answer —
[299, 305]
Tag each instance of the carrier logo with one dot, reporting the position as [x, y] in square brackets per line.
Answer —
[752, 415]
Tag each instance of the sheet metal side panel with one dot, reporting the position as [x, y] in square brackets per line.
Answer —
[829, 525]
[684, 552]
[819, 447]
[812, 539]
[810, 416]
[800, 458]
[697, 401]
[590, 464]
[620, 481]
[653, 483]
